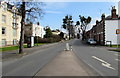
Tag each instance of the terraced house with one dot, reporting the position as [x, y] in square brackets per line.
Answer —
[104, 32]
[9, 24]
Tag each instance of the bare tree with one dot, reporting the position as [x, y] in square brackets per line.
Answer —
[84, 23]
[30, 11]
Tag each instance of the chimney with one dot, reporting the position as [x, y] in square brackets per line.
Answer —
[38, 23]
[113, 13]
[103, 17]
[97, 22]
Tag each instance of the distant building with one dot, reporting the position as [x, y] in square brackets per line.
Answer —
[56, 32]
[9, 24]
[34, 30]
[78, 30]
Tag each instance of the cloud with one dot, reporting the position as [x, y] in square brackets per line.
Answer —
[55, 5]
[53, 12]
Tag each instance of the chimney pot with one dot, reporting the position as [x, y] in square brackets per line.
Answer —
[113, 13]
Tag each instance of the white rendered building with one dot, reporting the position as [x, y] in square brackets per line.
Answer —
[112, 23]
[34, 30]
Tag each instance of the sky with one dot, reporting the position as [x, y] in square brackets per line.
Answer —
[56, 11]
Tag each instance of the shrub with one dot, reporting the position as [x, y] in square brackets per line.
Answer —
[54, 38]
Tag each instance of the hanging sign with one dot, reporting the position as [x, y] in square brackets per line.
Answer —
[117, 31]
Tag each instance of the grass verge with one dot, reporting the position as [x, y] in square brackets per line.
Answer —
[9, 48]
[114, 46]
[117, 50]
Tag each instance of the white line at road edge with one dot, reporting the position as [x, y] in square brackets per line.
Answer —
[116, 54]
[104, 63]
[117, 59]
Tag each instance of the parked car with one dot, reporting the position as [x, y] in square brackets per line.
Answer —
[91, 41]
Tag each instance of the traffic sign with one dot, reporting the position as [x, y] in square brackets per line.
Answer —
[117, 31]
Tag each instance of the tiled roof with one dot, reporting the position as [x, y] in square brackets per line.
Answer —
[110, 18]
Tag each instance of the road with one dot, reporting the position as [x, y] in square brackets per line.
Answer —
[99, 58]
[29, 65]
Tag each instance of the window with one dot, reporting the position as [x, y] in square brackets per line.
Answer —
[3, 30]
[14, 15]
[3, 18]
[14, 23]
[14, 32]
[14, 42]
[3, 42]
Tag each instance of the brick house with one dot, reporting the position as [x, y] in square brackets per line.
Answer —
[105, 30]
[97, 31]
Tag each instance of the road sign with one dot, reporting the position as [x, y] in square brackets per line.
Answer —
[117, 31]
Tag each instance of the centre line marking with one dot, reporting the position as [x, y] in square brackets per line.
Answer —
[104, 63]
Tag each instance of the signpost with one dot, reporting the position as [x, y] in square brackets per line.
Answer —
[118, 33]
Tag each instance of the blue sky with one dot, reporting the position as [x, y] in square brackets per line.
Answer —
[56, 11]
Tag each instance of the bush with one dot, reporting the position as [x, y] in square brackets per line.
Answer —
[54, 38]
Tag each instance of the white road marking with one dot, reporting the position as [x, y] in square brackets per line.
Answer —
[117, 59]
[108, 66]
[99, 59]
[116, 54]
[104, 63]
[113, 52]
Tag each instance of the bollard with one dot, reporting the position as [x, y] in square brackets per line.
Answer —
[67, 46]
[70, 47]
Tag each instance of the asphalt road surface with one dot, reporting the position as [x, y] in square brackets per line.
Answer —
[99, 58]
[29, 65]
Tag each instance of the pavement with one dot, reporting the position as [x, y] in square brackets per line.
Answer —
[65, 64]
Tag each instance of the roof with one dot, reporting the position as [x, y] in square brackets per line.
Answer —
[110, 18]
[9, 6]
